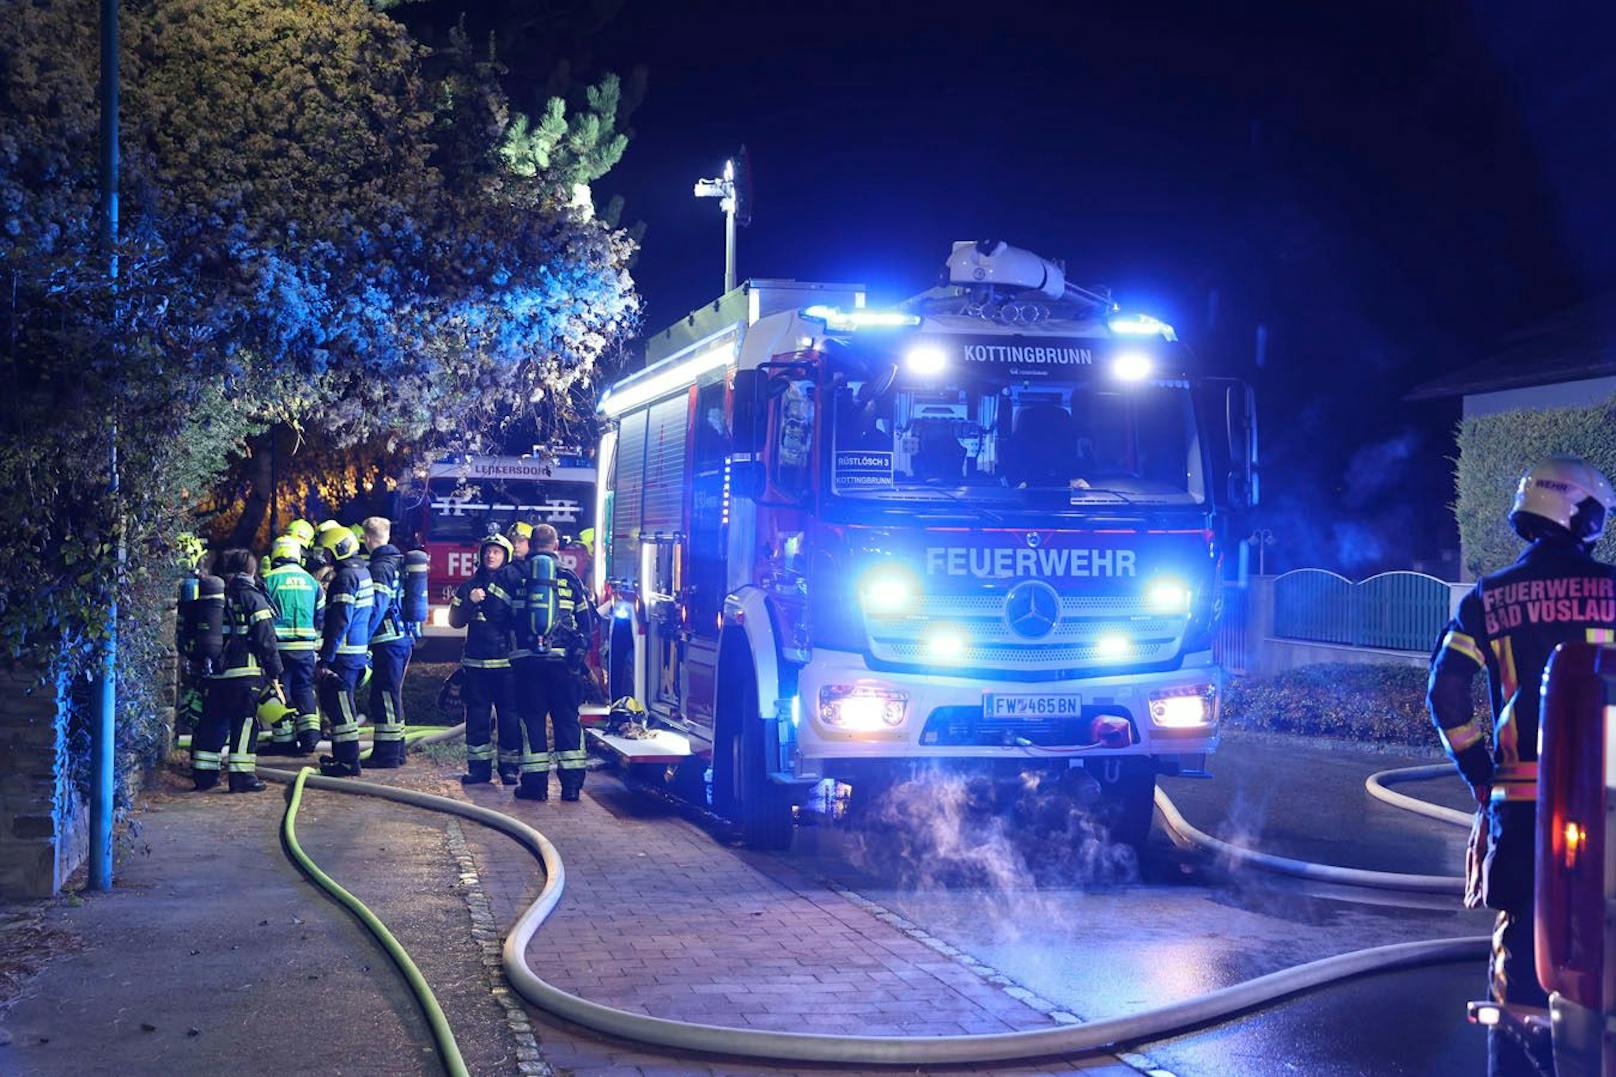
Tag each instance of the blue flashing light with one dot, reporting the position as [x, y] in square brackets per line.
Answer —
[889, 590]
[926, 360]
[622, 611]
[946, 644]
[845, 320]
[1113, 645]
[1167, 594]
[1140, 325]
[1132, 366]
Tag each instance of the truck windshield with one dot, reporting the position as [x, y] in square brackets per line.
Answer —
[1089, 442]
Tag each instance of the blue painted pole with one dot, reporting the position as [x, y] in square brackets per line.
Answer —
[103, 725]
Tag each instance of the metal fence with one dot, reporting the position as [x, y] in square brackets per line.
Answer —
[1395, 611]
[1231, 647]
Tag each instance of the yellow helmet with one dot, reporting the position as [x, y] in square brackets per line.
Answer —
[286, 548]
[301, 530]
[339, 540]
[272, 711]
[522, 529]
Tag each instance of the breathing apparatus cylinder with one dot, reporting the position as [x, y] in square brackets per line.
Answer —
[185, 616]
[414, 605]
[209, 620]
[540, 578]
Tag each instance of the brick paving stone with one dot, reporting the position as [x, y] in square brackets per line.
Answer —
[659, 917]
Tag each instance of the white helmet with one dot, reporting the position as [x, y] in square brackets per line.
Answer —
[1564, 490]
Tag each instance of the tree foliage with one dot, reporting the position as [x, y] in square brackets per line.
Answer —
[1495, 450]
[309, 241]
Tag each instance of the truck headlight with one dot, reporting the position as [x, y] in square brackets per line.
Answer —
[861, 708]
[1190, 707]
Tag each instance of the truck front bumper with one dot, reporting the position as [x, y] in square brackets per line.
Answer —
[933, 704]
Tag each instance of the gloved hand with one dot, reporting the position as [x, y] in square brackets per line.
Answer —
[322, 671]
[272, 690]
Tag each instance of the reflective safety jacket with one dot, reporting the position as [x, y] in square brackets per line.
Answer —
[487, 623]
[249, 632]
[574, 617]
[1509, 625]
[299, 606]
[387, 619]
[348, 604]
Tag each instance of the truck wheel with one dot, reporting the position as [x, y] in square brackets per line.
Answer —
[1128, 804]
[765, 806]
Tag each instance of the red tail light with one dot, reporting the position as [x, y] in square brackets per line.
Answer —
[1579, 704]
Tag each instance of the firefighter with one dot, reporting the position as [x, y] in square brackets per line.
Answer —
[482, 606]
[230, 698]
[300, 610]
[1509, 625]
[549, 680]
[521, 539]
[344, 649]
[300, 531]
[390, 645]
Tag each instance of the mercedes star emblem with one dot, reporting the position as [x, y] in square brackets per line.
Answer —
[1032, 609]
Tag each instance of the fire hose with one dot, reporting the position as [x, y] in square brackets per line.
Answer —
[1093, 1036]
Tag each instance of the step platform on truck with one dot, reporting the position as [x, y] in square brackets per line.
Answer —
[661, 746]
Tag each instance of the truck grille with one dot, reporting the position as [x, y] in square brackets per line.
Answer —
[990, 643]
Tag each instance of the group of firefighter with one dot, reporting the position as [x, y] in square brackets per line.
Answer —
[528, 623]
[338, 609]
[297, 641]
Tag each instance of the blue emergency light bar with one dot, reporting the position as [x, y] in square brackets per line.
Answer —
[846, 320]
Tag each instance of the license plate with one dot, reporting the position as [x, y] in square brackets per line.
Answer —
[996, 705]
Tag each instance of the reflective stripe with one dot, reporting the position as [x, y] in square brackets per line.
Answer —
[1460, 643]
[480, 752]
[1461, 737]
[298, 645]
[262, 615]
[202, 758]
[352, 648]
[337, 598]
[455, 601]
[308, 722]
[486, 663]
[243, 764]
[1601, 635]
[498, 592]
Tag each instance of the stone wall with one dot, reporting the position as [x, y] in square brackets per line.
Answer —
[43, 833]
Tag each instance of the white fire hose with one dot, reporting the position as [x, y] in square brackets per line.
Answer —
[924, 1050]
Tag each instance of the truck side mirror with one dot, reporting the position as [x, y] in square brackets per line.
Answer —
[748, 412]
[1240, 416]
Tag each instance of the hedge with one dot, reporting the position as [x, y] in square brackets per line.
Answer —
[1494, 450]
[1372, 704]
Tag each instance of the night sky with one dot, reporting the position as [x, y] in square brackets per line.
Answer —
[1386, 188]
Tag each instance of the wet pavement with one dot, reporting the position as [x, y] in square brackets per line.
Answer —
[1099, 949]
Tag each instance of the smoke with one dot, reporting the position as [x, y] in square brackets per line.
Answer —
[1004, 839]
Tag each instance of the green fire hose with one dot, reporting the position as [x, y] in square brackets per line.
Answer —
[442, 1035]
[1109, 1033]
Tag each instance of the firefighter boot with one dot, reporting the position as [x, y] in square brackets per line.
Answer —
[533, 787]
[307, 741]
[203, 780]
[332, 767]
[572, 784]
[478, 771]
[509, 775]
[246, 783]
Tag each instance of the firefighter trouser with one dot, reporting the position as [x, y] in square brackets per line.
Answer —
[486, 692]
[548, 687]
[1512, 969]
[388, 661]
[297, 677]
[229, 719]
[336, 691]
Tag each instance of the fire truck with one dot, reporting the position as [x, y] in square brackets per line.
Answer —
[462, 500]
[1574, 914]
[981, 529]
